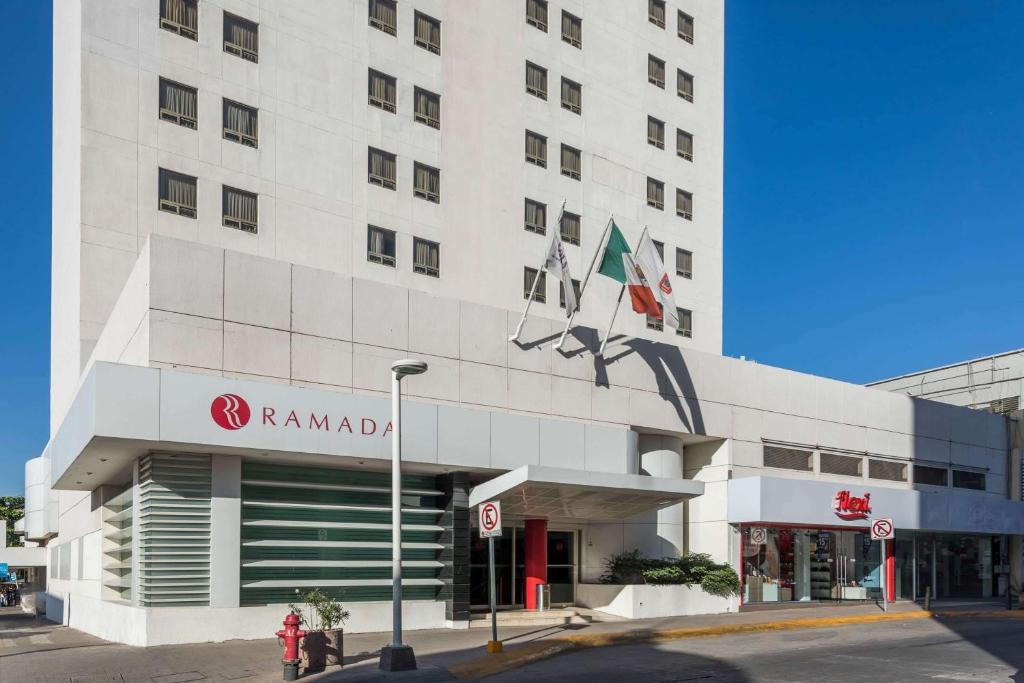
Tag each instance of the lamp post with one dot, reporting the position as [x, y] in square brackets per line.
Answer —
[397, 656]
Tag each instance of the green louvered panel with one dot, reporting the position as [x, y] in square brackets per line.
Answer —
[174, 524]
[306, 527]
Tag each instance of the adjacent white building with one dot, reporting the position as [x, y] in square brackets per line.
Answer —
[259, 206]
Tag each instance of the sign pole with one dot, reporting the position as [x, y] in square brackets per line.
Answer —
[493, 597]
[885, 579]
[490, 526]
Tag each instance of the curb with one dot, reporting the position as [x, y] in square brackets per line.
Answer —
[537, 651]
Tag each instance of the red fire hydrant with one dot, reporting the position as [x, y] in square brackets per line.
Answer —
[291, 634]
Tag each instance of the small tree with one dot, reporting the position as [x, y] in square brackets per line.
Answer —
[324, 612]
[12, 508]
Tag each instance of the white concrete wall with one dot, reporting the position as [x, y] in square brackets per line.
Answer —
[652, 602]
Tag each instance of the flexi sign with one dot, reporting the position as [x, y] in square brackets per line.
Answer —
[849, 507]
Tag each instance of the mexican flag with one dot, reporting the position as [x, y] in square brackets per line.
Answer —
[618, 264]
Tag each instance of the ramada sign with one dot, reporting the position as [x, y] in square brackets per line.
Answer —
[232, 412]
[850, 507]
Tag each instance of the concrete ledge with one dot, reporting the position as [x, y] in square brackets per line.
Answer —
[646, 601]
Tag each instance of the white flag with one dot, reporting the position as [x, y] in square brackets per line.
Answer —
[650, 263]
[558, 265]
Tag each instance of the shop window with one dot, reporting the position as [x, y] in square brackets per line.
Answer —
[931, 476]
[787, 458]
[847, 465]
[963, 479]
[887, 470]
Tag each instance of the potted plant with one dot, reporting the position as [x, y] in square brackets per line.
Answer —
[322, 620]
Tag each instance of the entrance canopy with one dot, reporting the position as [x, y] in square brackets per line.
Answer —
[561, 494]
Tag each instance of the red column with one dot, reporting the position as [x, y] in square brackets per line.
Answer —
[536, 558]
[890, 570]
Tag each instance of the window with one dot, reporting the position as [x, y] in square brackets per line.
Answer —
[685, 26]
[656, 194]
[240, 209]
[969, 480]
[684, 263]
[887, 470]
[571, 162]
[931, 476]
[561, 293]
[381, 168]
[426, 257]
[380, 245]
[381, 90]
[786, 458]
[684, 144]
[384, 16]
[685, 328]
[684, 204]
[537, 80]
[540, 295]
[655, 132]
[177, 193]
[536, 149]
[572, 29]
[846, 465]
[656, 12]
[428, 33]
[569, 227]
[241, 123]
[660, 248]
[178, 103]
[428, 107]
[684, 85]
[426, 182]
[572, 96]
[537, 14]
[654, 323]
[181, 17]
[241, 37]
[655, 71]
[536, 217]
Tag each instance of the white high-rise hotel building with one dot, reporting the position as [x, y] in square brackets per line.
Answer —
[259, 205]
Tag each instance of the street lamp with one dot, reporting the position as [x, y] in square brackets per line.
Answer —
[398, 656]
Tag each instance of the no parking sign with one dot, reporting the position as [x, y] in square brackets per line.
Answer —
[490, 519]
[882, 529]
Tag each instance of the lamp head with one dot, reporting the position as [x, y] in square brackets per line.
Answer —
[408, 366]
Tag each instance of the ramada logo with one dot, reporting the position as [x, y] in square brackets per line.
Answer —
[230, 411]
[665, 285]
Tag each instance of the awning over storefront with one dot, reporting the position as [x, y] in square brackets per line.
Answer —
[552, 493]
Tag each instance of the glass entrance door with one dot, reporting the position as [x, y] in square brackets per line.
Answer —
[562, 566]
[478, 578]
[509, 567]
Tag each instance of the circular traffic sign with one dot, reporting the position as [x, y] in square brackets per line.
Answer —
[489, 517]
[881, 528]
[758, 536]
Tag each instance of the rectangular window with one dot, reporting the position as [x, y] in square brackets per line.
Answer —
[426, 257]
[786, 458]
[240, 209]
[969, 480]
[241, 123]
[572, 30]
[380, 246]
[569, 227]
[571, 162]
[685, 328]
[381, 90]
[384, 16]
[684, 144]
[241, 37]
[846, 465]
[428, 33]
[537, 80]
[537, 14]
[536, 149]
[660, 248]
[654, 323]
[887, 470]
[381, 168]
[656, 71]
[684, 263]
[684, 204]
[572, 96]
[655, 132]
[536, 217]
[540, 296]
[685, 26]
[656, 194]
[931, 476]
[656, 12]
[561, 293]
[181, 17]
[426, 182]
[428, 107]
[178, 104]
[177, 193]
[684, 85]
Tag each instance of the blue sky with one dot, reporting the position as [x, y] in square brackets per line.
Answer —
[874, 170]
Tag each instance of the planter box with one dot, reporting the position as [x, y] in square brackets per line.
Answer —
[647, 601]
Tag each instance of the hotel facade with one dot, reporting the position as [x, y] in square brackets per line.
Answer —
[259, 206]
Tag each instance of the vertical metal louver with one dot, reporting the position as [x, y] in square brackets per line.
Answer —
[788, 458]
[887, 469]
[848, 465]
[117, 545]
[174, 530]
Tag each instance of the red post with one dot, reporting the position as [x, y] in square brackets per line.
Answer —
[890, 570]
[536, 558]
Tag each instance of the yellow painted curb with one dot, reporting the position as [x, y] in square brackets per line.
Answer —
[544, 649]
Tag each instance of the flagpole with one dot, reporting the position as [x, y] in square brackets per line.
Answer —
[622, 291]
[536, 281]
[583, 287]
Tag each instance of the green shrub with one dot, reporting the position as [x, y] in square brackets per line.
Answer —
[721, 581]
[698, 568]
